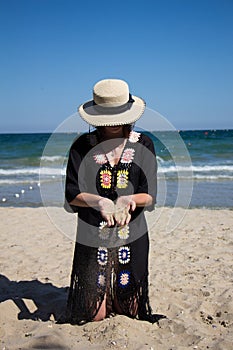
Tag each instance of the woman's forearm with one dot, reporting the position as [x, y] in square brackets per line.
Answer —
[85, 199]
[142, 199]
[104, 205]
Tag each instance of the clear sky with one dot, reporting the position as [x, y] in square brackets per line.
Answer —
[176, 54]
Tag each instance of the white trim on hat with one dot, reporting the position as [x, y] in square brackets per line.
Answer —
[111, 105]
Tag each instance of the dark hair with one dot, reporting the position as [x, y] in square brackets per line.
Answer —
[127, 128]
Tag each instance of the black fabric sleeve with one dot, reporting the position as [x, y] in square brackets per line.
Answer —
[73, 180]
[72, 185]
[148, 173]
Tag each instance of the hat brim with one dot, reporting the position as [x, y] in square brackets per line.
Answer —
[90, 114]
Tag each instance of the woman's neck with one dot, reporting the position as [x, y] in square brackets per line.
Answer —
[113, 133]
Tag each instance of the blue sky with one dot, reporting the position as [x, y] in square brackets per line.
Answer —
[176, 54]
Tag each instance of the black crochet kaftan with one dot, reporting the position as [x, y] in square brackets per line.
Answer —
[111, 262]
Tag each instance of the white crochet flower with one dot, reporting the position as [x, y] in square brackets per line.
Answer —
[102, 255]
[124, 278]
[124, 255]
[128, 155]
[101, 280]
[123, 232]
[104, 230]
[134, 136]
[100, 158]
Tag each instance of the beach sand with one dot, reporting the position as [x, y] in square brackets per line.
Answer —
[191, 282]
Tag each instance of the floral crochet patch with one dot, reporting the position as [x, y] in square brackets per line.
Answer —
[104, 230]
[101, 280]
[102, 256]
[134, 136]
[100, 158]
[105, 178]
[124, 278]
[127, 155]
[124, 255]
[122, 178]
[123, 232]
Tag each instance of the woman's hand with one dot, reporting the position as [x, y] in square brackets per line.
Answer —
[123, 208]
[107, 210]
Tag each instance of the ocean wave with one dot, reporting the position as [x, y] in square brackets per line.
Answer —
[213, 177]
[205, 170]
[160, 160]
[51, 158]
[33, 171]
[52, 171]
[199, 177]
[195, 168]
[17, 181]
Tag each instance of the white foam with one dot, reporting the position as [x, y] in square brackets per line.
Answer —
[51, 158]
[164, 167]
[204, 168]
[213, 177]
[160, 160]
[33, 171]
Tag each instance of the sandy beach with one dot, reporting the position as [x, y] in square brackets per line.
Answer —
[191, 282]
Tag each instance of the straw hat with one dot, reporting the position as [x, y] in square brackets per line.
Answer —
[112, 104]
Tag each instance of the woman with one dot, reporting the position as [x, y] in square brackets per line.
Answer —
[111, 179]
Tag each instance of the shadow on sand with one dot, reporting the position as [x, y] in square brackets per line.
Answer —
[49, 300]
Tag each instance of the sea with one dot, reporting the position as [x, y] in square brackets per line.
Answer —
[195, 168]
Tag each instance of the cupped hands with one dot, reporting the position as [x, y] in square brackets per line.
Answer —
[119, 212]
